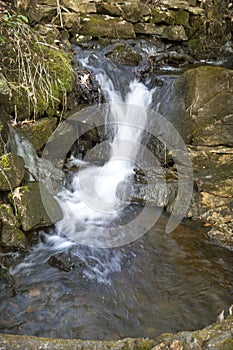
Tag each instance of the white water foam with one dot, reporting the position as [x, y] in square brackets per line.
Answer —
[91, 202]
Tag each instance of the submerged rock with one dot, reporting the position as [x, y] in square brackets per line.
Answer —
[65, 262]
[35, 206]
[125, 55]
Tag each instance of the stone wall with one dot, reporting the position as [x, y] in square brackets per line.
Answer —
[201, 23]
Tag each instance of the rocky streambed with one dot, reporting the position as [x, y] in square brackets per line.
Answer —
[181, 48]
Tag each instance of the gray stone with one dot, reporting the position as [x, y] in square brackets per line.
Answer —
[71, 21]
[106, 26]
[36, 207]
[108, 9]
[7, 216]
[172, 33]
[12, 238]
[216, 336]
[79, 6]
[11, 171]
[38, 13]
[37, 132]
[132, 12]
[148, 29]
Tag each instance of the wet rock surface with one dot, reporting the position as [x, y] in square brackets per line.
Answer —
[37, 132]
[36, 207]
[217, 336]
[65, 262]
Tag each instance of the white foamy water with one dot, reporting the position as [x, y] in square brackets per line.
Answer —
[91, 202]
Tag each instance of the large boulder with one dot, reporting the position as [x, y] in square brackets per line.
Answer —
[31, 201]
[199, 103]
[201, 97]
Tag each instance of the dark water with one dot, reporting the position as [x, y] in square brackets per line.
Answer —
[160, 283]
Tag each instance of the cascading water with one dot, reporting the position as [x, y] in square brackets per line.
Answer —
[92, 196]
[129, 290]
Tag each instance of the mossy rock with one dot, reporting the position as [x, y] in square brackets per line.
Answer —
[98, 26]
[13, 239]
[208, 97]
[11, 236]
[217, 336]
[199, 98]
[49, 66]
[132, 11]
[161, 16]
[12, 171]
[31, 201]
[180, 17]
[125, 55]
[7, 216]
[38, 132]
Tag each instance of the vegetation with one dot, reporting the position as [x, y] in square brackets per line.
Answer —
[39, 75]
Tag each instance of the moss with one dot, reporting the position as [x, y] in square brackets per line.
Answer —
[180, 17]
[20, 236]
[108, 27]
[5, 161]
[49, 66]
[161, 16]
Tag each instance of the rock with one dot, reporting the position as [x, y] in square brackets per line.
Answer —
[37, 132]
[161, 16]
[148, 29]
[172, 33]
[35, 206]
[65, 262]
[217, 336]
[12, 238]
[105, 26]
[180, 17]
[125, 55]
[198, 99]
[132, 12]
[33, 98]
[217, 134]
[104, 8]
[176, 4]
[79, 6]
[11, 171]
[71, 21]
[7, 216]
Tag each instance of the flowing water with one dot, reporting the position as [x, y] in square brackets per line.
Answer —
[155, 283]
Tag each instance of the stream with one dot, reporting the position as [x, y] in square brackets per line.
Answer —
[119, 283]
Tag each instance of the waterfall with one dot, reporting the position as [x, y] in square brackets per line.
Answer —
[91, 202]
[22, 147]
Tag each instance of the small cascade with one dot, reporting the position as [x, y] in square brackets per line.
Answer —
[91, 203]
[22, 147]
